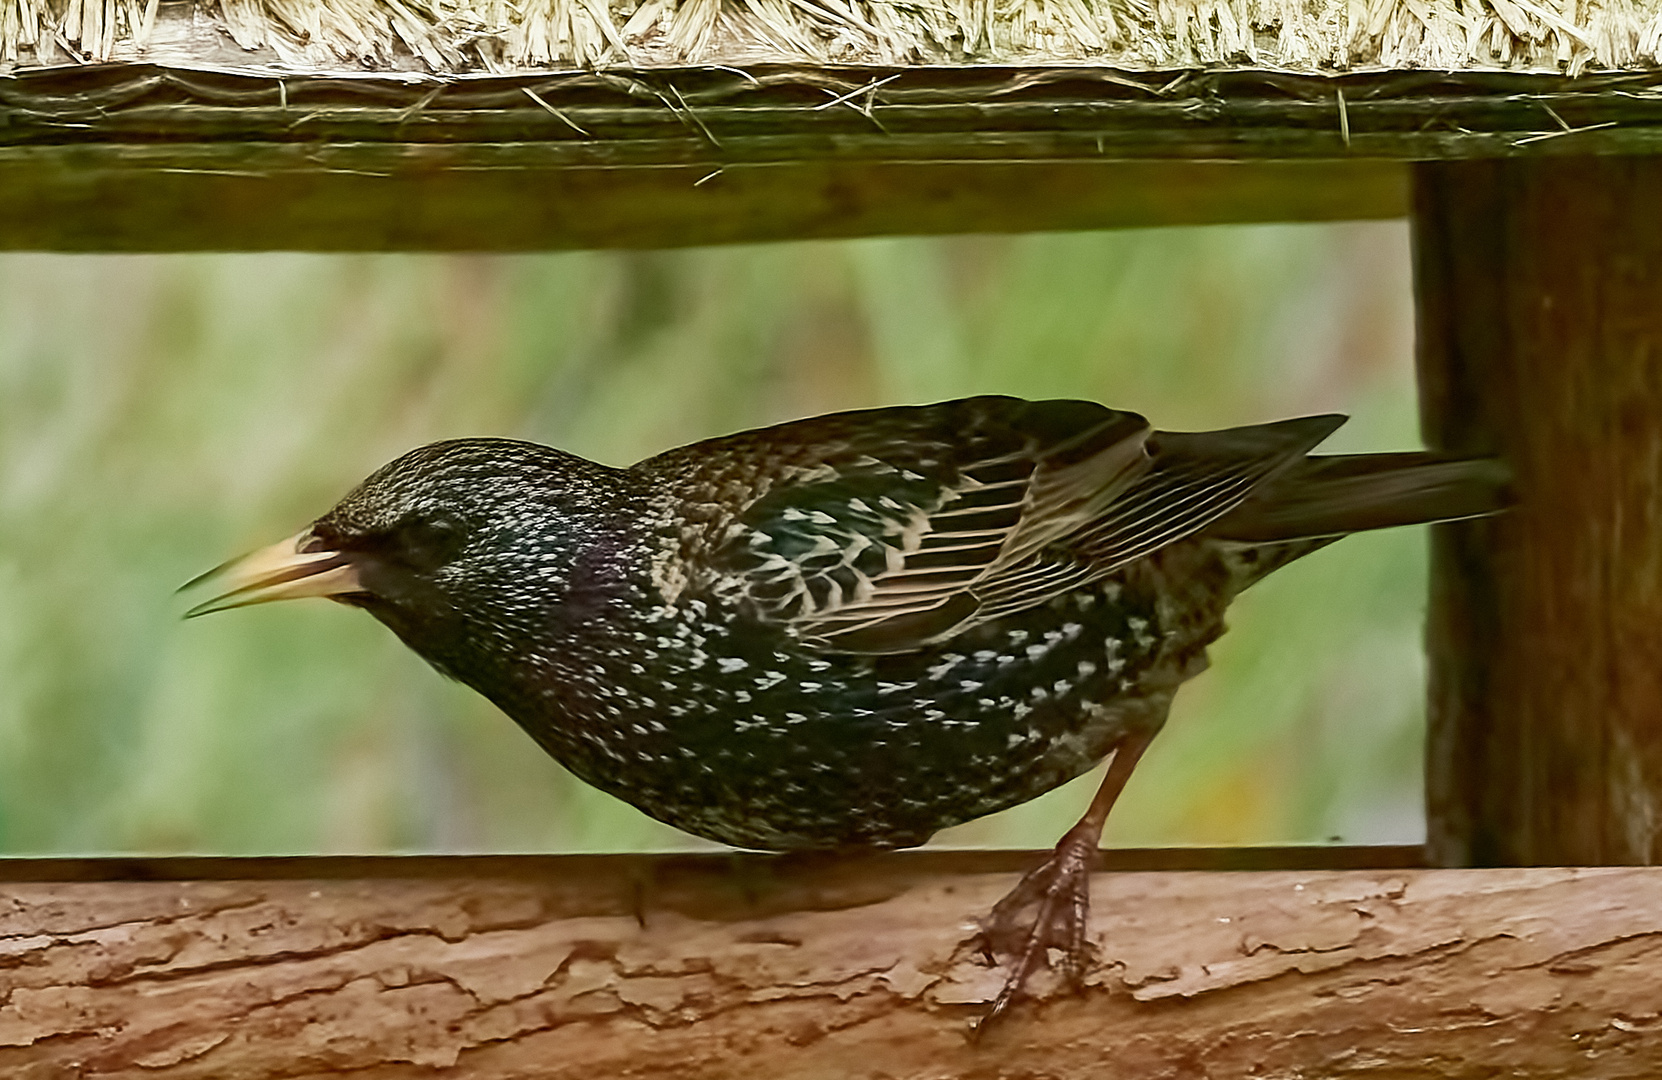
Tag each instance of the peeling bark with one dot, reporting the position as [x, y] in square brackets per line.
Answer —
[853, 968]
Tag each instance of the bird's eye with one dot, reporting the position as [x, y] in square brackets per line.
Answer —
[428, 543]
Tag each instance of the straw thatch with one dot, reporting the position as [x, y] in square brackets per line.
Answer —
[517, 35]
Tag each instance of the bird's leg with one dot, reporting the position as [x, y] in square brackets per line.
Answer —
[1060, 889]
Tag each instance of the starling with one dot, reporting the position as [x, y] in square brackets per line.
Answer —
[854, 630]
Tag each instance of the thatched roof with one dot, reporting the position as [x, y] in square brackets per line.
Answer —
[501, 36]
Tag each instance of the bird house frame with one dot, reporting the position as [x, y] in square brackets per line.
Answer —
[1517, 135]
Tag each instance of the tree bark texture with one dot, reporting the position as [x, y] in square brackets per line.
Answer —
[581, 968]
[1540, 304]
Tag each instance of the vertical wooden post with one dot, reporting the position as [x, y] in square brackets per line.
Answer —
[1539, 285]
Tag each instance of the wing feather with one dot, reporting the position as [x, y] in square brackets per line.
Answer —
[883, 531]
[1194, 479]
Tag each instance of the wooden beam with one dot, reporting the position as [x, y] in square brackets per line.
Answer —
[1541, 339]
[425, 198]
[136, 157]
[695, 967]
[715, 117]
[690, 867]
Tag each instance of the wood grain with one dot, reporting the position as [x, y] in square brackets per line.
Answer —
[123, 198]
[1540, 308]
[826, 968]
[142, 157]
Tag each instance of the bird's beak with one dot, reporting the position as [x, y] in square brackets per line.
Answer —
[283, 571]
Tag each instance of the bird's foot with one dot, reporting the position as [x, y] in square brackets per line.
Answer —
[1058, 891]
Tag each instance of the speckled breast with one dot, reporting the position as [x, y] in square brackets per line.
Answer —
[735, 732]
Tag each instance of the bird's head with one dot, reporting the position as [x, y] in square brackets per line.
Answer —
[472, 531]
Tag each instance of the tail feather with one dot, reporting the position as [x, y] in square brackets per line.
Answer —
[1332, 495]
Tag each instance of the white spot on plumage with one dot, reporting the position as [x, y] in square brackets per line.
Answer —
[948, 662]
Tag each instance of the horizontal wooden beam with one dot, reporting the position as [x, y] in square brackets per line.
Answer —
[416, 198]
[737, 967]
[136, 157]
[694, 868]
[782, 114]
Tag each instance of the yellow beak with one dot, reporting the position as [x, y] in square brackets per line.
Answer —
[280, 572]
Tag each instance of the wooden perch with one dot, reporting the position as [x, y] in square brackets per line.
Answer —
[753, 967]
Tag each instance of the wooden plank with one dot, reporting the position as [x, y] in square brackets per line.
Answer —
[822, 968]
[693, 867]
[1540, 338]
[781, 114]
[135, 157]
[123, 198]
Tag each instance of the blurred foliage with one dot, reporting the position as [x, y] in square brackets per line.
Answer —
[158, 414]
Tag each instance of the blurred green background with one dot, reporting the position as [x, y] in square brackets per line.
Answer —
[159, 414]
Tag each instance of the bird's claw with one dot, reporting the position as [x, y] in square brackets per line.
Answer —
[1059, 891]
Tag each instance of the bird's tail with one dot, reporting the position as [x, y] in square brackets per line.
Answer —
[1329, 496]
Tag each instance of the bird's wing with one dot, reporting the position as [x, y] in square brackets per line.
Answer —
[1193, 479]
[866, 532]
[883, 531]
